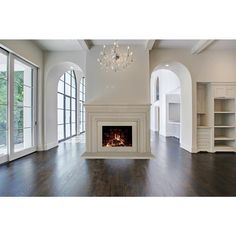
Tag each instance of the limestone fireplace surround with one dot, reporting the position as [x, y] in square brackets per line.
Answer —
[137, 116]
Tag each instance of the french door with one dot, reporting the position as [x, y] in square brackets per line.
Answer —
[20, 108]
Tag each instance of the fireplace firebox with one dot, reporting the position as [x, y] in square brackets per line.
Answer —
[117, 136]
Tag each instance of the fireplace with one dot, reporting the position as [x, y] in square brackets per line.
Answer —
[117, 132]
[117, 136]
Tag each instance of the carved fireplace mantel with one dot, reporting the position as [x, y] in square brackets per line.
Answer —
[136, 116]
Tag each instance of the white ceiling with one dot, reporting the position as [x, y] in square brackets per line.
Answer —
[223, 44]
[75, 45]
[59, 45]
[121, 42]
[188, 44]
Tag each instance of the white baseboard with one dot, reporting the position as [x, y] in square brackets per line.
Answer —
[47, 146]
[187, 148]
[3, 159]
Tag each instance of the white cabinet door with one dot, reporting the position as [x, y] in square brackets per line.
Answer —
[224, 91]
[230, 92]
[219, 91]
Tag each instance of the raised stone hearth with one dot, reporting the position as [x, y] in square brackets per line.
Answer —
[117, 132]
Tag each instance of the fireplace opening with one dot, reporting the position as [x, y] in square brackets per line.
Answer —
[117, 136]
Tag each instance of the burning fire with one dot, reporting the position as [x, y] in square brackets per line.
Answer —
[116, 141]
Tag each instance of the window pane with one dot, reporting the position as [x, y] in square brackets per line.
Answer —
[81, 96]
[68, 90]
[18, 139]
[3, 88]
[73, 104]
[28, 76]
[73, 129]
[27, 138]
[18, 89]
[27, 117]
[73, 92]
[68, 78]
[80, 128]
[68, 130]
[67, 103]
[3, 117]
[73, 82]
[73, 116]
[81, 87]
[67, 117]
[27, 96]
[3, 142]
[60, 114]
[61, 86]
[18, 117]
[80, 106]
[60, 132]
[60, 101]
[81, 116]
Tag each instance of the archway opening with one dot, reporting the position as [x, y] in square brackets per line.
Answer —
[67, 76]
[165, 109]
[173, 119]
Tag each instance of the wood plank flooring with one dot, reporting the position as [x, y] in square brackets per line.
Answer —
[174, 172]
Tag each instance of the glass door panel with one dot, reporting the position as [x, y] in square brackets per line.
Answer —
[23, 106]
[3, 105]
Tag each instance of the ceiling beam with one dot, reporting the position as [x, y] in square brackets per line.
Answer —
[84, 44]
[149, 44]
[200, 46]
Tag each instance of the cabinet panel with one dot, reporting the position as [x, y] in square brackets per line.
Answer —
[219, 91]
[230, 92]
[224, 91]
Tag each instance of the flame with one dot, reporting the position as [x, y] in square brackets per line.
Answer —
[115, 141]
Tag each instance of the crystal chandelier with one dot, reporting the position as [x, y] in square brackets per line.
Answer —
[114, 58]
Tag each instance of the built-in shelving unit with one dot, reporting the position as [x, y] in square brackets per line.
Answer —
[224, 124]
[216, 118]
[203, 128]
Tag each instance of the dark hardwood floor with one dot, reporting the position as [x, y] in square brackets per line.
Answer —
[174, 172]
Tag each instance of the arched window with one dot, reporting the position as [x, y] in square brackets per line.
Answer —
[81, 103]
[67, 106]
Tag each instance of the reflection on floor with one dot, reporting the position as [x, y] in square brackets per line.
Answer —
[174, 172]
[77, 139]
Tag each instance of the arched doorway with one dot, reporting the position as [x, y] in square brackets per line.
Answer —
[186, 117]
[165, 100]
[51, 100]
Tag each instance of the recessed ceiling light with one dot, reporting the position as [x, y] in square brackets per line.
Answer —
[166, 65]
[72, 68]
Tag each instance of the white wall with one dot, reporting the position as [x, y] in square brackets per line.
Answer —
[173, 107]
[28, 50]
[127, 87]
[208, 66]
